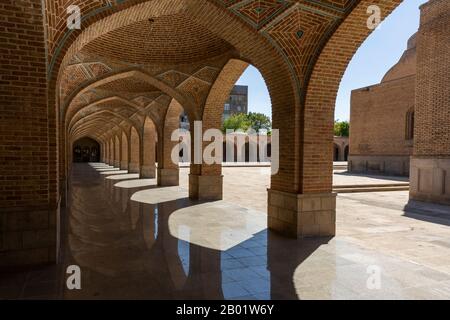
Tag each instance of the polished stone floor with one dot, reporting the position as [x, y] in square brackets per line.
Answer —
[134, 240]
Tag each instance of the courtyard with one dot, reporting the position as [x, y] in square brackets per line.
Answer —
[191, 150]
[135, 240]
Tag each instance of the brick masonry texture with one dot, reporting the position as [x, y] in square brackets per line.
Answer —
[380, 117]
[430, 164]
[27, 209]
[134, 66]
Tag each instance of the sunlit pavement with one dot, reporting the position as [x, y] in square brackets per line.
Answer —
[135, 240]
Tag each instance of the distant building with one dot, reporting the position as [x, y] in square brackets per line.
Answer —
[236, 103]
[382, 120]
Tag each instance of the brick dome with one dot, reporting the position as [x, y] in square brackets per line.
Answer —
[160, 40]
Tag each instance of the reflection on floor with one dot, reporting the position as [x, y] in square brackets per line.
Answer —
[135, 240]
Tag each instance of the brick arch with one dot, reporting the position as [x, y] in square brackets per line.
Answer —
[220, 92]
[252, 47]
[305, 125]
[123, 74]
[148, 148]
[73, 141]
[89, 135]
[204, 177]
[103, 111]
[320, 95]
[206, 13]
[66, 120]
[96, 124]
[168, 172]
[102, 101]
[257, 50]
[91, 129]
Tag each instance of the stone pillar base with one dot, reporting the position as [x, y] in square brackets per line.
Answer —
[205, 187]
[148, 171]
[116, 163]
[302, 215]
[124, 165]
[430, 180]
[168, 177]
[133, 168]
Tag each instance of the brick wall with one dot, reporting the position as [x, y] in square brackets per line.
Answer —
[430, 165]
[378, 118]
[27, 207]
[381, 120]
[432, 128]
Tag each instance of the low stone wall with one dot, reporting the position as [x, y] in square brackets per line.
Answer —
[430, 180]
[382, 165]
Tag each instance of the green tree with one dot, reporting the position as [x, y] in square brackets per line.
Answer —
[259, 121]
[341, 128]
[237, 121]
[242, 121]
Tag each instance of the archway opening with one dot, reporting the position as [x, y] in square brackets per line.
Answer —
[86, 150]
[335, 152]
[241, 109]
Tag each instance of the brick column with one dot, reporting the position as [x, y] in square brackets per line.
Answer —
[124, 152]
[168, 172]
[430, 164]
[302, 215]
[28, 181]
[102, 152]
[117, 151]
[111, 152]
[205, 187]
[107, 151]
[148, 168]
[134, 152]
[205, 180]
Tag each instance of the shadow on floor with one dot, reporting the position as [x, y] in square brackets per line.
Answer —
[174, 249]
[133, 250]
[372, 176]
[428, 212]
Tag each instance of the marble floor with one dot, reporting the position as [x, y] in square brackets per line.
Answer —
[134, 240]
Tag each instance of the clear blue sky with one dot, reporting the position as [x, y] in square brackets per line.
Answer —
[373, 59]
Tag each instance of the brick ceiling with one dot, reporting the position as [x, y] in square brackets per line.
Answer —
[166, 40]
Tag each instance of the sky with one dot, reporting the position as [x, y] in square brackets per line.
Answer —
[381, 50]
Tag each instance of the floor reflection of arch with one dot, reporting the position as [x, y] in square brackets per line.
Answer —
[143, 253]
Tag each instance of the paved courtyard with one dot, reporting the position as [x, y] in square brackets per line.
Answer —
[134, 240]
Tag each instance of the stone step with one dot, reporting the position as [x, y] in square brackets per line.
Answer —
[371, 189]
[393, 184]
